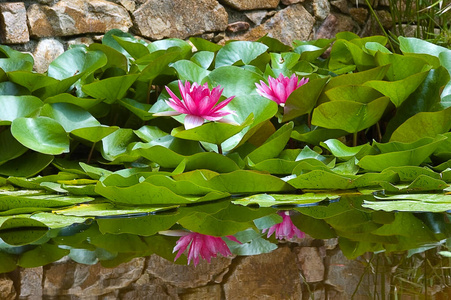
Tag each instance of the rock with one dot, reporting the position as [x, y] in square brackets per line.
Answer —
[265, 276]
[333, 24]
[345, 276]
[287, 25]
[80, 41]
[73, 17]
[385, 18]
[342, 5]
[13, 23]
[90, 281]
[321, 9]
[31, 283]
[129, 5]
[360, 15]
[46, 51]
[158, 19]
[251, 4]
[289, 2]
[238, 26]
[187, 276]
[148, 287]
[311, 263]
[208, 292]
[7, 290]
[256, 16]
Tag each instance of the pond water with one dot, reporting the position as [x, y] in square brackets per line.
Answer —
[349, 250]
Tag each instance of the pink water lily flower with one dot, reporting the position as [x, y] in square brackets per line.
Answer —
[285, 230]
[199, 103]
[280, 88]
[201, 245]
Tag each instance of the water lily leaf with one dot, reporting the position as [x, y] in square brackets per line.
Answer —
[425, 99]
[74, 61]
[340, 150]
[349, 116]
[209, 224]
[275, 200]
[41, 134]
[94, 133]
[310, 52]
[69, 116]
[188, 70]
[399, 90]
[139, 109]
[315, 134]
[422, 183]
[245, 181]
[211, 132]
[13, 107]
[61, 86]
[415, 45]
[412, 154]
[303, 99]
[423, 124]
[204, 45]
[203, 59]
[358, 78]
[401, 66]
[374, 48]
[41, 255]
[10, 148]
[421, 197]
[110, 89]
[170, 43]
[85, 103]
[35, 182]
[11, 202]
[26, 165]
[407, 205]
[17, 60]
[109, 209]
[357, 93]
[94, 172]
[9, 262]
[115, 144]
[251, 244]
[116, 60]
[135, 47]
[236, 51]
[410, 173]
[158, 62]
[273, 145]
[32, 81]
[145, 193]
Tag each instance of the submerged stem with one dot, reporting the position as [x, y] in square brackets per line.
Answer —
[219, 148]
[90, 152]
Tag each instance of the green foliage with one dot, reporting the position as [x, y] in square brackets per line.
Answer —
[84, 142]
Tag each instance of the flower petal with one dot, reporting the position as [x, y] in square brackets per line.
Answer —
[192, 121]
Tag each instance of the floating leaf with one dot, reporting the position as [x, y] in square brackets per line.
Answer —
[26, 165]
[13, 107]
[236, 51]
[41, 134]
[110, 89]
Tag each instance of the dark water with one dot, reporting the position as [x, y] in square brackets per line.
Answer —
[365, 253]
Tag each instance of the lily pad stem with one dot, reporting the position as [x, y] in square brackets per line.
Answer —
[90, 152]
[219, 148]
[354, 139]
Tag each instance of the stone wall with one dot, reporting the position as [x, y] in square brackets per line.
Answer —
[46, 28]
[310, 269]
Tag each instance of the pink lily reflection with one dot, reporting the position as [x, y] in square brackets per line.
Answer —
[286, 229]
[199, 104]
[199, 245]
[280, 88]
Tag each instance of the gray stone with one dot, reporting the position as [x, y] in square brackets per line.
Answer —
[311, 264]
[321, 9]
[287, 25]
[385, 18]
[148, 287]
[7, 290]
[251, 4]
[31, 283]
[80, 41]
[265, 276]
[90, 281]
[342, 5]
[187, 276]
[13, 23]
[238, 26]
[46, 51]
[333, 24]
[158, 19]
[256, 16]
[290, 2]
[360, 15]
[74, 17]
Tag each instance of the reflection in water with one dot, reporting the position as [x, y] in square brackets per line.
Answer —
[391, 253]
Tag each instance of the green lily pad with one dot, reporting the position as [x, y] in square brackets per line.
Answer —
[14, 107]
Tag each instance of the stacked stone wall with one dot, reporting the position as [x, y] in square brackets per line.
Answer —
[46, 28]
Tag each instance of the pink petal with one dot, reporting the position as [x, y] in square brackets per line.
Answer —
[166, 113]
[174, 97]
[222, 104]
[180, 109]
[192, 121]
